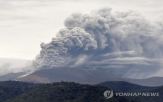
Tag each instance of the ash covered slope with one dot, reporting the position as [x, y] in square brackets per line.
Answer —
[78, 75]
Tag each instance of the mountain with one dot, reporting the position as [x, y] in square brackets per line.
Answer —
[83, 76]
[15, 91]
[153, 81]
[122, 86]
[78, 75]
[67, 92]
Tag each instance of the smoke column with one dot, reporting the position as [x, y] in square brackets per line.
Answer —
[124, 43]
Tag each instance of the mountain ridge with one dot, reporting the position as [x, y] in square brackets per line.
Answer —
[84, 76]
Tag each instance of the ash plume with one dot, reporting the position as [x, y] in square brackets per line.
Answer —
[119, 42]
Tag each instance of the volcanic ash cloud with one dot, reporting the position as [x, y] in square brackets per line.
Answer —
[104, 37]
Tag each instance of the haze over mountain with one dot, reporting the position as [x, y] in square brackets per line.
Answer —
[10, 65]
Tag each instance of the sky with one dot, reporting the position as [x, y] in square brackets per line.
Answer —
[25, 24]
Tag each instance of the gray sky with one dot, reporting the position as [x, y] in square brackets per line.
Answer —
[27, 23]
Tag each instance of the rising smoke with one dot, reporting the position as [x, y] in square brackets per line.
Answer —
[124, 43]
[14, 66]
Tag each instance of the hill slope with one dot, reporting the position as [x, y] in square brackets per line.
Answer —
[153, 81]
[10, 89]
[156, 99]
[121, 86]
[67, 92]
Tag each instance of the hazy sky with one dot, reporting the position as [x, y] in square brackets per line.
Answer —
[27, 23]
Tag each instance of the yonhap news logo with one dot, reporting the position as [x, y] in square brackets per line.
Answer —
[110, 93]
